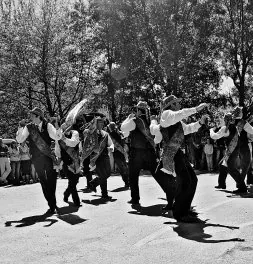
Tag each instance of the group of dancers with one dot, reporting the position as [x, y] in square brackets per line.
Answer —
[82, 144]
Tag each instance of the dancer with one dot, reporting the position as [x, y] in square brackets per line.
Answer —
[69, 147]
[119, 154]
[40, 133]
[235, 131]
[98, 145]
[142, 153]
[171, 132]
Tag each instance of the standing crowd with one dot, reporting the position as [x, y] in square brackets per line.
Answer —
[170, 146]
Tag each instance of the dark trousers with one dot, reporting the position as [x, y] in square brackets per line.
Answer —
[233, 170]
[86, 171]
[223, 172]
[186, 184]
[120, 161]
[48, 177]
[103, 170]
[72, 182]
[146, 159]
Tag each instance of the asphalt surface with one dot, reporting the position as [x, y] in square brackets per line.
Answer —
[114, 232]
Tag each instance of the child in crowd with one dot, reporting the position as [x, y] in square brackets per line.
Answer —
[208, 149]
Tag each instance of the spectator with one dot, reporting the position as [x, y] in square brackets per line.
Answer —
[5, 167]
[25, 163]
[208, 150]
[15, 156]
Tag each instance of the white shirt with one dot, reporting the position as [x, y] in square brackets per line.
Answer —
[221, 133]
[127, 126]
[23, 133]
[74, 140]
[170, 118]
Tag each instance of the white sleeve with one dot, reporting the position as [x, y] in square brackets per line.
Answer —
[22, 134]
[110, 143]
[248, 128]
[155, 131]
[127, 126]
[73, 141]
[55, 134]
[221, 133]
[190, 128]
[170, 117]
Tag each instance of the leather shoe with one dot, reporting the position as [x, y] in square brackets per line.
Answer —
[133, 202]
[167, 208]
[242, 190]
[106, 197]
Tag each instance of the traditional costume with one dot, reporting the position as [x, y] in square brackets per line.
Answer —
[171, 132]
[119, 154]
[96, 144]
[42, 155]
[236, 146]
[142, 152]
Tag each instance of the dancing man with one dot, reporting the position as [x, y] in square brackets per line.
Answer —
[171, 133]
[40, 133]
[98, 145]
[235, 131]
[142, 153]
[120, 152]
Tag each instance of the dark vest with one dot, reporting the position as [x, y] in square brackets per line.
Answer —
[105, 150]
[138, 140]
[34, 151]
[64, 155]
[167, 133]
[243, 139]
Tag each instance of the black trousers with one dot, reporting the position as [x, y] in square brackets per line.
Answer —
[223, 172]
[120, 161]
[146, 159]
[103, 170]
[73, 179]
[186, 184]
[48, 177]
[245, 157]
[86, 171]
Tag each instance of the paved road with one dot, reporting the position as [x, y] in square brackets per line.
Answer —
[113, 232]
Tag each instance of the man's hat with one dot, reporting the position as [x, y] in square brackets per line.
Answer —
[167, 101]
[142, 105]
[37, 111]
[237, 112]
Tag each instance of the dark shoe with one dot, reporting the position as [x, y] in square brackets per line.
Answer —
[193, 213]
[93, 188]
[133, 202]
[220, 187]
[50, 211]
[242, 190]
[167, 207]
[106, 197]
[77, 204]
[188, 219]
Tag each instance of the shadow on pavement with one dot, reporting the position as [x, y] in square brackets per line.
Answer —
[86, 190]
[31, 220]
[195, 231]
[66, 214]
[98, 201]
[243, 195]
[120, 189]
[153, 210]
